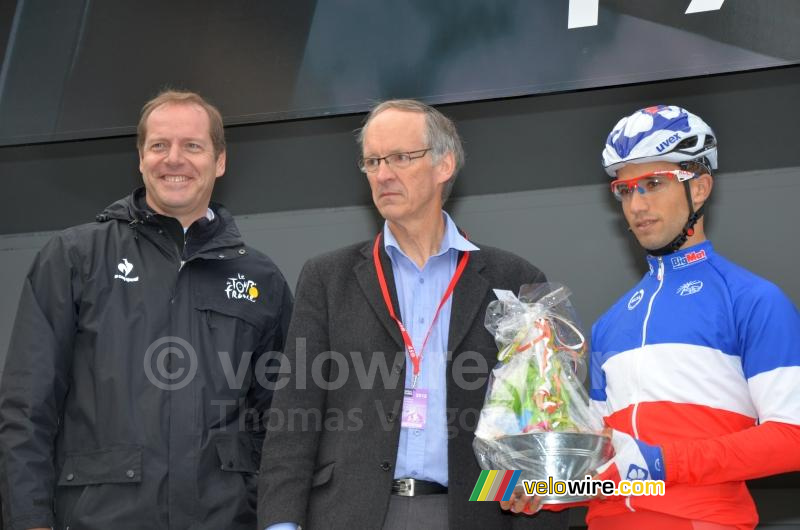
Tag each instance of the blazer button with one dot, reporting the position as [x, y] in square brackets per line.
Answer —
[70, 477]
[130, 473]
[386, 466]
[390, 417]
[397, 368]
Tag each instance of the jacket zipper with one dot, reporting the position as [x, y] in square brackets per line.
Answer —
[183, 262]
[637, 370]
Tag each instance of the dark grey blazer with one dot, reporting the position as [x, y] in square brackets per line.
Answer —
[328, 458]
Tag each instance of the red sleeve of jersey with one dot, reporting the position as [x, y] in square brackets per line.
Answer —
[766, 449]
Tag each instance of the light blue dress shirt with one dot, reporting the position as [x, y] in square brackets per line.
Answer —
[422, 453]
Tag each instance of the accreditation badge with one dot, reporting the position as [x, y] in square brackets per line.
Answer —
[415, 408]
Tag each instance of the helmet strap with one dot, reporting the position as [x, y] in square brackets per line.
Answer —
[688, 228]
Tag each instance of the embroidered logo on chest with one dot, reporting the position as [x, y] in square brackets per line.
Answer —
[690, 288]
[125, 267]
[635, 299]
[240, 288]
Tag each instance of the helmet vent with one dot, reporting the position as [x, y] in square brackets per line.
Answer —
[687, 143]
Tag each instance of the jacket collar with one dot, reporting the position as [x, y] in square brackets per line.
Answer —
[467, 297]
[134, 210]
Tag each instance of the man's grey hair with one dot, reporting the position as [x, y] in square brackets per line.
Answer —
[440, 134]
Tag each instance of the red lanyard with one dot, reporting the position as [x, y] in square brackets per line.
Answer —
[416, 358]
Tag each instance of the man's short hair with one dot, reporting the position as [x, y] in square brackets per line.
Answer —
[440, 134]
[180, 97]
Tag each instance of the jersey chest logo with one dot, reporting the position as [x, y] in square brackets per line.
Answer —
[635, 299]
[690, 288]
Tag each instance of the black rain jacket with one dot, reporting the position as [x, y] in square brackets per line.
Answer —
[136, 376]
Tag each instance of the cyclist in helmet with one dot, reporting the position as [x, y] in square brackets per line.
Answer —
[696, 370]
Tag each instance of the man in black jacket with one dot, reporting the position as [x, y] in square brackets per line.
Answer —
[136, 374]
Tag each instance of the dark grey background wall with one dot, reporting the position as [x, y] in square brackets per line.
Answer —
[519, 144]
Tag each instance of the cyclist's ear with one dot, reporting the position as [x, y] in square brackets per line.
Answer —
[701, 189]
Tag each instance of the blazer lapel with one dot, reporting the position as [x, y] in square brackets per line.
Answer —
[468, 299]
[367, 277]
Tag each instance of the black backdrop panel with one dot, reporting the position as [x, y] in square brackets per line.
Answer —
[82, 69]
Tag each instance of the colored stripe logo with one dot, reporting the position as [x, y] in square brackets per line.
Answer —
[494, 485]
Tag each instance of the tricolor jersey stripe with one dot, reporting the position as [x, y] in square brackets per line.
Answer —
[680, 373]
[699, 348]
[495, 485]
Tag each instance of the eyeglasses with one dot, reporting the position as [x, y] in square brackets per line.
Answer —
[648, 183]
[395, 160]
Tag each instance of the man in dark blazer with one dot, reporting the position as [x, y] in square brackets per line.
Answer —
[373, 428]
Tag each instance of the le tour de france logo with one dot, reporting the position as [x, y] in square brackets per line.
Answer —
[240, 288]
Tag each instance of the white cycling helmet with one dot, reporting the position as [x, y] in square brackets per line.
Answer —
[660, 133]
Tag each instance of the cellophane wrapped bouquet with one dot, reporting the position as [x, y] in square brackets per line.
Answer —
[536, 387]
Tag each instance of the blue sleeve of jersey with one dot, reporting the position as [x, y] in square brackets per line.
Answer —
[768, 326]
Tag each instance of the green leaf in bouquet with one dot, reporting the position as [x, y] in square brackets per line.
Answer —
[505, 394]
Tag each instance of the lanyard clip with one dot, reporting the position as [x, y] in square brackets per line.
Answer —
[414, 381]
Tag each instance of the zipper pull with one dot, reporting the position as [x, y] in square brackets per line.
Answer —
[660, 268]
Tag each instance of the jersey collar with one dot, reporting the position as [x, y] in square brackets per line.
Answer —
[683, 258]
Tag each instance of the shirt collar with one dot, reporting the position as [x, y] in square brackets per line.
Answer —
[209, 215]
[452, 239]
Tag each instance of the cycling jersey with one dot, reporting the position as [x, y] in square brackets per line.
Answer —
[701, 358]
